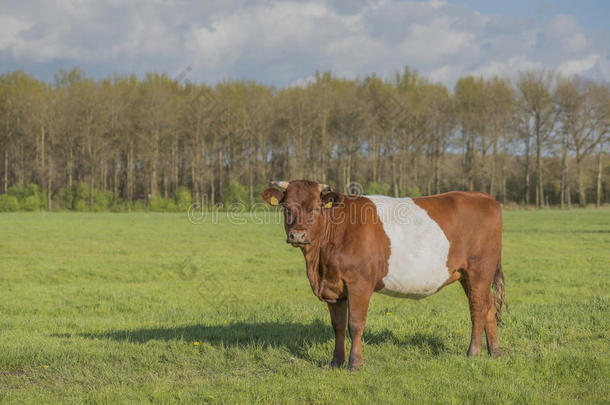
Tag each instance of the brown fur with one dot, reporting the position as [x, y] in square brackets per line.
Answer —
[346, 252]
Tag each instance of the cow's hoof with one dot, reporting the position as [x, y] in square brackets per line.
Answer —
[336, 363]
[495, 353]
[354, 367]
[472, 352]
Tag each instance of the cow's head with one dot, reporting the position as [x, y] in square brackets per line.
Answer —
[304, 203]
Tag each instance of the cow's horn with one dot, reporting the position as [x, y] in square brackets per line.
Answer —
[281, 184]
[324, 187]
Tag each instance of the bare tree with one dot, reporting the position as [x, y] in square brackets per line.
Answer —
[536, 119]
[80, 138]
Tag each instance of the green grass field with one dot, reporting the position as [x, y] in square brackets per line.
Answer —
[106, 308]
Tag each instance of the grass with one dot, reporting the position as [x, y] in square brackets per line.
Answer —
[106, 308]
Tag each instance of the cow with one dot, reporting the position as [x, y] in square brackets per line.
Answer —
[402, 247]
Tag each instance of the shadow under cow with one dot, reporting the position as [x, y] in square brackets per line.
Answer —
[295, 337]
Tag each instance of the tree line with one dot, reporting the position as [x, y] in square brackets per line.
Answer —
[80, 143]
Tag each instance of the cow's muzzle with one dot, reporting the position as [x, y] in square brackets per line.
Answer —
[298, 238]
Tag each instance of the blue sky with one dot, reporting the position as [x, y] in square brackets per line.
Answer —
[592, 14]
[284, 42]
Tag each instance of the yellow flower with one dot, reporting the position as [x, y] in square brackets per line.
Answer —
[388, 313]
[45, 367]
[195, 343]
[326, 307]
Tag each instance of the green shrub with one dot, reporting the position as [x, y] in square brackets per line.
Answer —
[172, 207]
[378, 188]
[30, 193]
[8, 203]
[64, 198]
[102, 201]
[31, 203]
[120, 206]
[81, 206]
[183, 199]
[157, 204]
[139, 205]
[75, 197]
[412, 191]
[236, 193]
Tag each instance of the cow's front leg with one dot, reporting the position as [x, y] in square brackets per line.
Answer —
[358, 301]
[338, 317]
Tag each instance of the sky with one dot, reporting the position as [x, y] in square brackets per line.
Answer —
[283, 43]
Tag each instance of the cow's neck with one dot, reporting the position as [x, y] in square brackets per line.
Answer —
[314, 253]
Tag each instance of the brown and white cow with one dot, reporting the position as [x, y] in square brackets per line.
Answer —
[403, 247]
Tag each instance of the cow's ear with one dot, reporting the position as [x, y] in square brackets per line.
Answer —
[331, 199]
[272, 196]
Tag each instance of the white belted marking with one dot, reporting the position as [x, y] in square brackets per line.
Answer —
[419, 248]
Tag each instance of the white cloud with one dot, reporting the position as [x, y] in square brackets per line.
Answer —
[578, 66]
[284, 42]
[565, 29]
[10, 30]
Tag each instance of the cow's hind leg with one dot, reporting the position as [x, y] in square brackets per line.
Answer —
[478, 291]
[338, 317]
[493, 346]
[358, 301]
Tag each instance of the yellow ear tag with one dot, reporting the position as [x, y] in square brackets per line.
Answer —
[274, 201]
[328, 204]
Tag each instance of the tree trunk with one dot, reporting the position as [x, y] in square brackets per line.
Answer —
[527, 174]
[49, 184]
[199, 172]
[104, 176]
[250, 170]
[70, 166]
[130, 172]
[42, 157]
[437, 179]
[373, 154]
[394, 177]
[194, 182]
[212, 174]
[582, 198]
[564, 171]
[212, 182]
[492, 179]
[21, 172]
[5, 187]
[415, 171]
[468, 160]
[598, 202]
[153, 166]
[348, 170]
[175, 165]
[91, 187]
[539, 188]
[299, 154]
[115, 178]
[220, 174]
[503, 173]
[325, 150]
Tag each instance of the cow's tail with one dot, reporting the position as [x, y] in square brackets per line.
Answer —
[499, 293]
